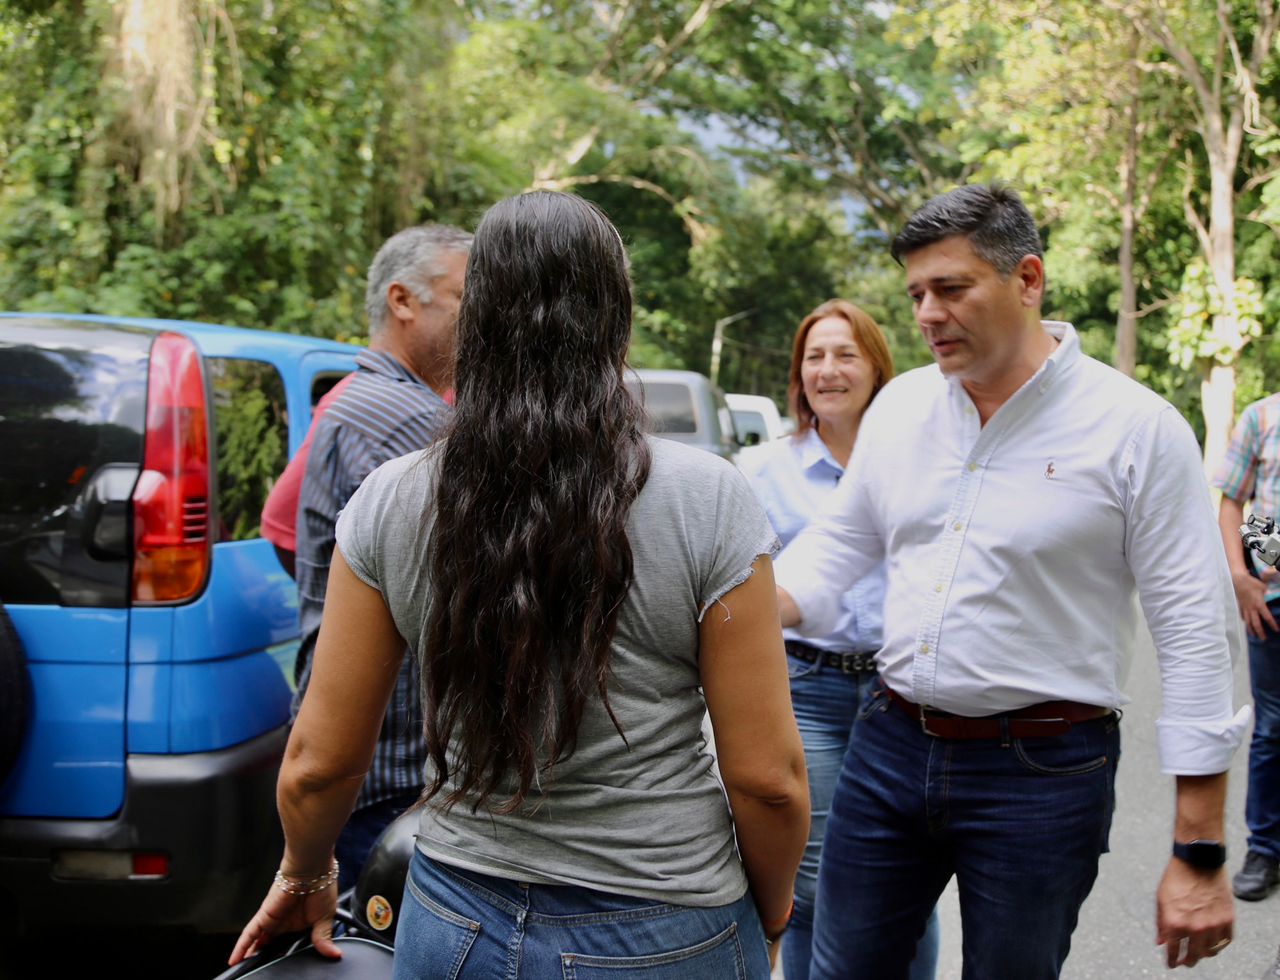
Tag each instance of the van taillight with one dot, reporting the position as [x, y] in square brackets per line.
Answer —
[171, 499]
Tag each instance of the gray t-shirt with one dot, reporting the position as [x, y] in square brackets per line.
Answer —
[650, 820]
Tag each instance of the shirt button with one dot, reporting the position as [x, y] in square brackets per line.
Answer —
[956, 526]
[937, 588]
[972, 467]
[924, 648]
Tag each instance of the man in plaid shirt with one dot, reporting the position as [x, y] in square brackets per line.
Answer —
[1251, 472]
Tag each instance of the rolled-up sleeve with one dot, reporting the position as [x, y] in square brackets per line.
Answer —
[841, 545]
[1175, 551]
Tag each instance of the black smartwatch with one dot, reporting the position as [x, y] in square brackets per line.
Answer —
[1207, 855]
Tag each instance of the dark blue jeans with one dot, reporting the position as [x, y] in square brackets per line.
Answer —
[825, 702]
[1262, 809]
[457, 924]
[1020, 823]
[362, 831]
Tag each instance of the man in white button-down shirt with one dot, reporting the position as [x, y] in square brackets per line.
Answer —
[1021, 493]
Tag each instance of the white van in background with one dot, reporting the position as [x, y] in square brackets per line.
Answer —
[685, 406]
[756, 418]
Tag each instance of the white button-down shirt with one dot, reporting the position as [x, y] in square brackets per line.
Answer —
[1015, 548]
[793, 477]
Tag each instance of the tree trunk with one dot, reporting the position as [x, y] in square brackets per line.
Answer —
[1218, 390]
[1126, 357]
[1217, 404]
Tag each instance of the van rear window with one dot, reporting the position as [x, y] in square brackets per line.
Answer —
[72, 414]
[251, 427]
[670, 406]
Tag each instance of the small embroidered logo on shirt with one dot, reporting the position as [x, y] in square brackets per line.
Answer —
[1049, 471]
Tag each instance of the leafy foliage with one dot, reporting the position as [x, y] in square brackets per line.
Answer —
[241, 160]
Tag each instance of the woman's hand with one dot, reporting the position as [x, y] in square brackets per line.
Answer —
[283, 913]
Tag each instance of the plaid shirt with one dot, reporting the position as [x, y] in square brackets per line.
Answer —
[385, 411]
[1250, 471]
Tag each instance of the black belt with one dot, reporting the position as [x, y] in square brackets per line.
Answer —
[852, 662]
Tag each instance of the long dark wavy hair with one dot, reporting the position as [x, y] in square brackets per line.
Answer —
[529, 559]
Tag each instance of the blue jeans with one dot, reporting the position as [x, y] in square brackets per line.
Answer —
[461, 924]
[825, 702]
[1021, 824]
[362, 830]
[1262, 809]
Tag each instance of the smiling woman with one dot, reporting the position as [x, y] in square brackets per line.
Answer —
[841, 347]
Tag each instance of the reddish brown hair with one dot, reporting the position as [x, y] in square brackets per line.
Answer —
[870, 341]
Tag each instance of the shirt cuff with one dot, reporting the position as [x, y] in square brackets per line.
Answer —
[818, 615]
[1200, 748]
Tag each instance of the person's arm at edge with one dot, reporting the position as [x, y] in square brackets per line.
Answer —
[1251, 592]
[329, 752]
[1192, 902]
[1187, 598]
[744, 679]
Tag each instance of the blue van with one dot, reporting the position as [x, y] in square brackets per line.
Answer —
[147, 631]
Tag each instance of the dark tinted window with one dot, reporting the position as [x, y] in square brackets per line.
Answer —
[670, 406]
[251, 427]
[746, 422]
[72, 412]
[322, 385]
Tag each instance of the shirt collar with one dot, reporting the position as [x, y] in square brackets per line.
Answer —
[380, 362]
[1060, 359]
[814, 451]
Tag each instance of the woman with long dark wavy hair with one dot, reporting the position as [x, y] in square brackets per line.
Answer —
[578, 595]
[839, 362]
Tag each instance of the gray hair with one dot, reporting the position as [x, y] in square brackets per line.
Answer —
[413, 258]
[998, 225]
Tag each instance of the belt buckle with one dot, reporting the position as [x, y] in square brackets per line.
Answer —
[924, 722]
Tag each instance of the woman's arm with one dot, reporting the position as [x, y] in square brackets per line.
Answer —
[357, 660]
[744, 678]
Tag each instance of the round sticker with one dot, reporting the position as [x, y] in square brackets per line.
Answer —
[379, 912]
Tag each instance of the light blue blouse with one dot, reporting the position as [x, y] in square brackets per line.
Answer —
[792, 478]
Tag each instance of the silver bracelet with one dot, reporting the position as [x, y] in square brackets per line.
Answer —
[305, 885]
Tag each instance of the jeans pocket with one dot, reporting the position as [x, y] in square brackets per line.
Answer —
[797, 668]
[719, 956]
[432, 941]
[873, 701]
[1073, 754]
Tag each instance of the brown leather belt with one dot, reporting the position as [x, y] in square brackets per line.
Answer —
[1044, 720]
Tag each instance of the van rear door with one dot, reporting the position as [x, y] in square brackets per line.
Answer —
[72, 416]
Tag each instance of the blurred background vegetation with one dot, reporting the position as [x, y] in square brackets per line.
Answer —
[239, 161]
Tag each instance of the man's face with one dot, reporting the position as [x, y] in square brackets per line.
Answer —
[432, 339]
[974, 321]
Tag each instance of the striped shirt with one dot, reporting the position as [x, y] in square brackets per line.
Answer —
[385, 412]
[1250, 471]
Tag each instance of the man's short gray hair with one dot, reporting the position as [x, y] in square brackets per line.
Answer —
[998, 225]
[413, 258]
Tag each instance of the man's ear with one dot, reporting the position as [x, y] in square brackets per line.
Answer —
[1030, 274]
[398, 297]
